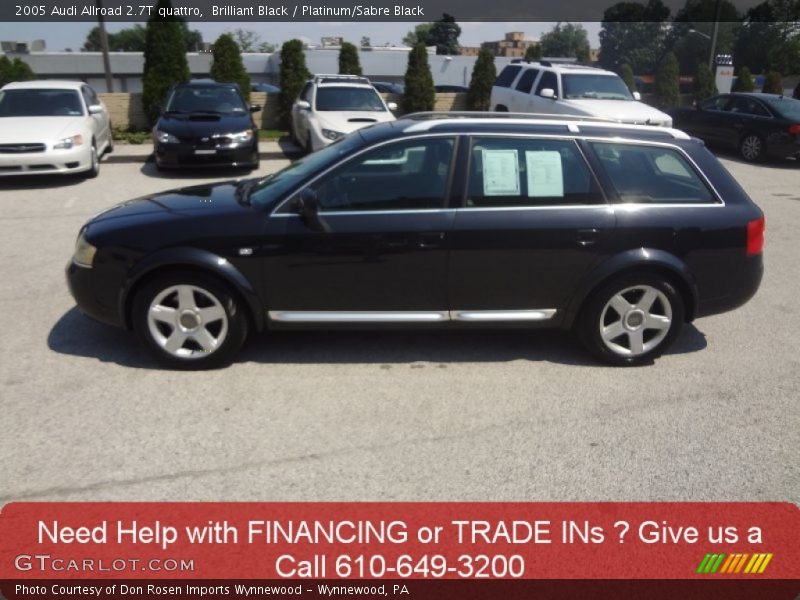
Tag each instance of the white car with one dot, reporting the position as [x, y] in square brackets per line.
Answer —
[49, 127]
[331, 106]
[545, 88]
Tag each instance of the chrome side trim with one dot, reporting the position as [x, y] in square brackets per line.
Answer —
[317, 316]
[503, 315]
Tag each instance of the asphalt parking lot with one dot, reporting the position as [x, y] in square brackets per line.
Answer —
[387, 416]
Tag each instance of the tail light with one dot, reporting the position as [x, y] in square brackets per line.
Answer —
[755, 236]
[794, 129]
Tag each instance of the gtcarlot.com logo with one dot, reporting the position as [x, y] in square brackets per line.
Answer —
[732, 564]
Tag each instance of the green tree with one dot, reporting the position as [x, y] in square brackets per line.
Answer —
[227, 66]
[164, 59]
[626, 73]
[633, 33]
[419, 34]
[744, 81]
[666, 81]
[769, 38]
[366, 42]
[134, 39]
[690, 47]
[444, 35]
[14, 70]
[533, 52]
[704, 85]
[348, 60]
[773, 83]
[293, 76]
[567, 41]
[480, 86]
[420, 94]
[246, 40]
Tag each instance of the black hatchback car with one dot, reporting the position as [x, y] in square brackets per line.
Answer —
[206, 124]
[757, 125]
[623, 233]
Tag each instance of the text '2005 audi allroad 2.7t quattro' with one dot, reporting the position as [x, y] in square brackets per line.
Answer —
[620, 232]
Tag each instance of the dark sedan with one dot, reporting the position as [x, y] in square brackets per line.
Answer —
[206, 124]
[757, 125]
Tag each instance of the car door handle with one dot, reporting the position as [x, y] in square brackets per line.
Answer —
[430, 240]
[587, 237]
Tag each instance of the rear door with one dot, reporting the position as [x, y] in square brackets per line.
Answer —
[537, 104]
[533, 222]
[520, 98]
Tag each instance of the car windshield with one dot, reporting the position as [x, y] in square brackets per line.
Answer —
[40, 103]
[274, 186]
[604, 87]
[202, 99]
[344, 98]
[788, 108]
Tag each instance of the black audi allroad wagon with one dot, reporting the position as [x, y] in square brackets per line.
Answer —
[622, 233]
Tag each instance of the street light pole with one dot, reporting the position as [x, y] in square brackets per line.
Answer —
[104, 46]
[714, 34]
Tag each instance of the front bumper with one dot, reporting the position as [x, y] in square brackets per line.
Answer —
[93, 295]
[190, 155]
[49, 162]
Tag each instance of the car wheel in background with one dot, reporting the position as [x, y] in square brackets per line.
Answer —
[752, 147]
[94, 169]
[189, 321]
[632, 319]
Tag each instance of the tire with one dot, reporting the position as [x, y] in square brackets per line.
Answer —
[110, 145]
[94, 169]
[626, 306]
[500, 108]
[189, 321]
[752, 147]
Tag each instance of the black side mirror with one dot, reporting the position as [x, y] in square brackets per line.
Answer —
[308, 208]
[254, 108]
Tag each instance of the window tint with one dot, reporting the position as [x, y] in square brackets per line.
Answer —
[404, 176]
[548, 80]
[306, 93]
[507, 76]
[40, 103]
[526, 81]
[348, 98]
[748, 106]
[651, 175]
[606, 87]
[529, 172]
[716, 103]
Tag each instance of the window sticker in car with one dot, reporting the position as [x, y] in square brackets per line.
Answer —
[500, 173]
[545, 175]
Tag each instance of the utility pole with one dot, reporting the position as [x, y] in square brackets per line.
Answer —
[104, 46]
[714, 34]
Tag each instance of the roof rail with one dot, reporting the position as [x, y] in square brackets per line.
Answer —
[476, 114]
[322, 78]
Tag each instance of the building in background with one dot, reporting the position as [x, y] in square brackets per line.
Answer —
[513, 46]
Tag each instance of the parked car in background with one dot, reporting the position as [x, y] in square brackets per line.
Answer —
[267, 88]
[623, 233]
[450, 89]
[331, 106]
[206, 124]
[387, 87]
[757, 125]
[545, 88]
[50, 127]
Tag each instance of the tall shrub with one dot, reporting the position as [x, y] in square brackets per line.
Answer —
[704, 85]
[227, 65]
[773, 83]
[293, 76]
[480, 86]
[348, 60]
[14, 70]
[666, 86]
[420, 94]
[744, 81]
[626, 73]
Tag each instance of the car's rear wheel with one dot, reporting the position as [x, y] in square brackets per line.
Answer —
[189, 321]
[632, 319]
[752, 147]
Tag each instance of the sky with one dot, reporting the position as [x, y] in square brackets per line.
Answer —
[60, 36]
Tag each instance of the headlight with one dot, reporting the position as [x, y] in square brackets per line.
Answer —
[331, 134]
[84, 252]
[67, 143]
[243, 137]
[164, 137]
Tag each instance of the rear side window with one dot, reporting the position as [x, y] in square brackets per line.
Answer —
[652, 175]
[511, 172]
[507, 76]
[548, 80]
[526, 81]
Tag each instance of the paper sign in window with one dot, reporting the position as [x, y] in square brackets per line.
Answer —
[545, 177]
[500, 173]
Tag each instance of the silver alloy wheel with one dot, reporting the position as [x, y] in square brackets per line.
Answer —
[95, 160]
[751, 147]
[635, 320]
[187, 321]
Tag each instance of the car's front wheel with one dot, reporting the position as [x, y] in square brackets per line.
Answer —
[189, 321]
[94, 162]
[632, 319]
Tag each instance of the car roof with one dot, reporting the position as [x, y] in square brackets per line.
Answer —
[206, 83]
[341, 80]
[513, 123]
[760, 95]
[564, 68]
[44, 84]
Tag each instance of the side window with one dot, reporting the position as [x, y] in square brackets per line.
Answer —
[748, 106]
[526, 81]
[507, 76]
[548, 80]
[87, 97]
[717, 103]
[306, 93]
[409, 175]
[651, 175]
[508, 172]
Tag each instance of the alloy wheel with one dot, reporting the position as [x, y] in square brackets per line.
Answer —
[635, 320]
[752, 147]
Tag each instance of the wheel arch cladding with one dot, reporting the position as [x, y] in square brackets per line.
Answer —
[641, 259]
[191, 260]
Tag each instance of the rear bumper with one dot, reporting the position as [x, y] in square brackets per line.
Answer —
[188, 155]
[50, 162]
[748, 280]
[785, 147]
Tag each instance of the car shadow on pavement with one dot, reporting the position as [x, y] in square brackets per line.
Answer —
[769, 163]
[77, 335]
[33, 182]
[149, 169]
